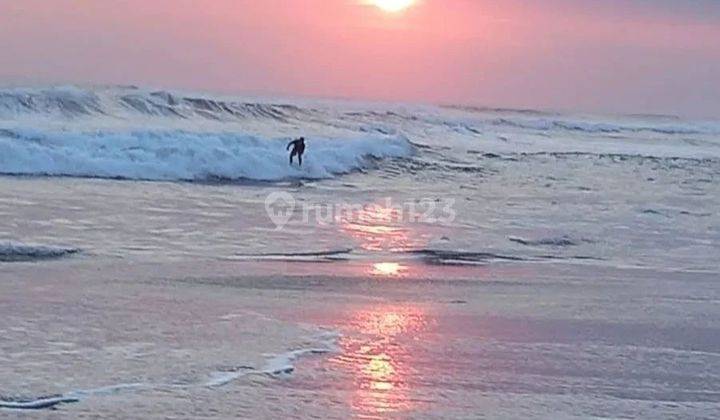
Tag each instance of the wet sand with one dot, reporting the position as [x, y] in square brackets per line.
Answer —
[227, 340]
[129, 343]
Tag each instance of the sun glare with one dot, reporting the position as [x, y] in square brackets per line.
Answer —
[388, 269]
[393, 5]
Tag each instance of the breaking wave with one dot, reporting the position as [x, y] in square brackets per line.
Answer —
[137, 133]
[184, 155]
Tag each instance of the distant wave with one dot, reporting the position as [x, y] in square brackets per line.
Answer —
[561, 241]
[472, 258]
[484, 110]
[456, 257]
[549, 124]
[16, 252]
[184, 155]
[332, 255]
[61, 101]
[531, 119]
[72, 102]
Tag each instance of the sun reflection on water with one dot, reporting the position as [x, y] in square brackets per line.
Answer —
[379, 363]
[380, 228]
[381, 370]
[388, 269]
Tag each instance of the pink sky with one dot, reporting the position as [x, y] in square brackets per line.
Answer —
[660, 56]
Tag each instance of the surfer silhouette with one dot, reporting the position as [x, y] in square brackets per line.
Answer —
[298, 146]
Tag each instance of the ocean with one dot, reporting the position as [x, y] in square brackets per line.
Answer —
[159, 256]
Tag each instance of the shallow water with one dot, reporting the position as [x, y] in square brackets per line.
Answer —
[511, 265]
[616, 214]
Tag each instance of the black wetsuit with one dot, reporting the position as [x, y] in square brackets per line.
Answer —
[298, 149]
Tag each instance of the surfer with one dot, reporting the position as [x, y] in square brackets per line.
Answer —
[298, 146]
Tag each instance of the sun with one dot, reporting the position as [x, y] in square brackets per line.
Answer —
[393, 5]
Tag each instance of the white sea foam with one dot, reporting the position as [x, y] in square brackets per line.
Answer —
[278, 366]
[184, 155]
[283, 364]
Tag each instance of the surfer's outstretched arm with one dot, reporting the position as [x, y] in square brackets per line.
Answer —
[290, 144]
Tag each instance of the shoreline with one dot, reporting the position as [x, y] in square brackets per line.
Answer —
[178, 333]
[87, 335]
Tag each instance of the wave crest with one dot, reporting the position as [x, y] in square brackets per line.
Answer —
[150, 113]
[71, 102]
